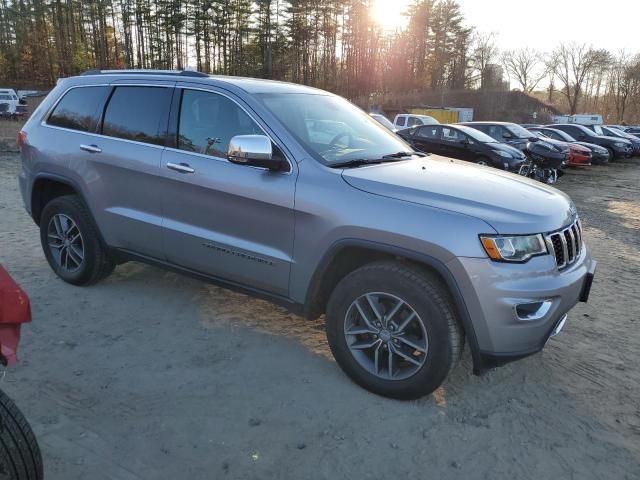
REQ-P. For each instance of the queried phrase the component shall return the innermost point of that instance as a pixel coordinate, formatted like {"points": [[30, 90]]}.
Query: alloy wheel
{"points": [[386, 336], [65, 242]]}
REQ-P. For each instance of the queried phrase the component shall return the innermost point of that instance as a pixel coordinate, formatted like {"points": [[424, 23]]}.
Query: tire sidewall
{"points": [[439, 354], [66, 206]]}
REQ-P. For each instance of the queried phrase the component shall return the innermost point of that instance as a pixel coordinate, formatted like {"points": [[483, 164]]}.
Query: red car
{"points": [[20, 456], [579, 155]]}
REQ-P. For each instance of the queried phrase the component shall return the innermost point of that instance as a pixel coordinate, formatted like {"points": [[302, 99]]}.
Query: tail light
{"points": [[22, 138]]}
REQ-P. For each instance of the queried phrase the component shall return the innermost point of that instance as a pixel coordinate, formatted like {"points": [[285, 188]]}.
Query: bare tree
{"points": [[624, 82], [484, 53], [572, 64], [526, 66]]}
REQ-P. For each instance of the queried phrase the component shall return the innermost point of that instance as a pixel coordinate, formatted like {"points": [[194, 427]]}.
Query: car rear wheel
{"points": [[392, 328], [71, 243]]}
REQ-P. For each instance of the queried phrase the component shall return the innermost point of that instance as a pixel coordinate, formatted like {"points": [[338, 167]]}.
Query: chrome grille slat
{"points": [[566, 244]]}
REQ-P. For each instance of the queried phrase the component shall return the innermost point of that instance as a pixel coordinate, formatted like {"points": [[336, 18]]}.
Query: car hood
{"points": [[511, 204], [594, 147], [615, 139]]}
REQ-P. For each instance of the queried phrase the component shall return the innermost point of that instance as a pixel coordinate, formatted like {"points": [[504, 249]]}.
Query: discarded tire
{"points": [[20, 457]]}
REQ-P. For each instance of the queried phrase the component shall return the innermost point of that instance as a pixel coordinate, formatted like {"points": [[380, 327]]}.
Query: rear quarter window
{"points": [[138, 113], [79, 108]]}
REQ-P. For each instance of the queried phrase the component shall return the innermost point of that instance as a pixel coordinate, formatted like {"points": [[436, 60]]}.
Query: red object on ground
{"points": [[15, 309], [579, 155]]}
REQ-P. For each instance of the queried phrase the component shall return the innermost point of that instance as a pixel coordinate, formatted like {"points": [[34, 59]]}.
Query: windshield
{"points": [[518, 131], [563, 135], [331, 129], [585, 130], [384, 121], [598, 130], [612, 132], [476, 134]]}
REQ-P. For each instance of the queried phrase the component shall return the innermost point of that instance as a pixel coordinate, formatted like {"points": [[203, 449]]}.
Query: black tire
{"points": [[427, 297], [96, 264], [484, 161], [20, 457], [612, 154]]}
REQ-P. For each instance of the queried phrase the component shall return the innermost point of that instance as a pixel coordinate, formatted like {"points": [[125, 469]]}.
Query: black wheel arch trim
{"points": [[428, 260]]}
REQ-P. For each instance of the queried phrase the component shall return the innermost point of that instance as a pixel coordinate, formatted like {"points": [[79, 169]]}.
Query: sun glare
{"points": [[389, 13]]}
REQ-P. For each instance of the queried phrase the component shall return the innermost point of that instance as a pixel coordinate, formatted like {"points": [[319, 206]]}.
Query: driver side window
{"points": [[209, 121], [429, 131]]}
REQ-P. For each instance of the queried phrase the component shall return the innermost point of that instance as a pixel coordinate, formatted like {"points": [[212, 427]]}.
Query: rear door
{"points": [[223, 219], [123, 166]]}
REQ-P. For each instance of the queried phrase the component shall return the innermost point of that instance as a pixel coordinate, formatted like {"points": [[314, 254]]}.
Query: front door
{"points": [[231, 221], [427, 139]]}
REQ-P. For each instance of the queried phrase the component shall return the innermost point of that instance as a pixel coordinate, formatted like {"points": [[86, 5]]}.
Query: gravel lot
{"points": [[151, 375]]}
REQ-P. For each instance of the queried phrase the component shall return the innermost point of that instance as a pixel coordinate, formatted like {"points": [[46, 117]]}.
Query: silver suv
{"points": [[294, 194]]}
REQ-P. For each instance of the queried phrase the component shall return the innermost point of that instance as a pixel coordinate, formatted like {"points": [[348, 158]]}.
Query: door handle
{"points": [[180, 167], [91, 148]]}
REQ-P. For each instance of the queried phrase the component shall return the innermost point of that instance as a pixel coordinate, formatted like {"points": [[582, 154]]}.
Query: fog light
{"points": [[533, 310]]}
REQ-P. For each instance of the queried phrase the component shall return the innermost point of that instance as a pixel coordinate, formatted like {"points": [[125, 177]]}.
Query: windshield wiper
{"points": [[404, 154], [358, 162], [393, 157]]}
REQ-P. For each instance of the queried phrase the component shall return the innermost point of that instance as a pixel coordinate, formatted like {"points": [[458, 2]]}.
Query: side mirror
{"points": [[534, 139], [507, 136], [464, 141], [253, 150]]}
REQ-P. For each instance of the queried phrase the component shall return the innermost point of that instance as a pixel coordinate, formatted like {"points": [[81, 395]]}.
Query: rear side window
{"points": [[413, 121], [79, 109], [138, 113]]}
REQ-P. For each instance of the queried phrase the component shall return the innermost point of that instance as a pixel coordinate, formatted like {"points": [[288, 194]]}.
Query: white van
{"points": [[9, 96], [408, 120]]}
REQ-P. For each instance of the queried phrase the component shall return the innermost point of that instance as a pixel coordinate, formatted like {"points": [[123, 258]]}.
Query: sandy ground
{"points": [[151, 375]]}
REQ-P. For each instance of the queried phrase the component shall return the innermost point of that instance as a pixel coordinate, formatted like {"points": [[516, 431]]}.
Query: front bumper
{"points": [[626, 151], [496, 295]]}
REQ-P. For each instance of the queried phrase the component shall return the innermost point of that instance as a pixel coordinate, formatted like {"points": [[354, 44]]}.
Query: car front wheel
{"points": [[392, 328]]}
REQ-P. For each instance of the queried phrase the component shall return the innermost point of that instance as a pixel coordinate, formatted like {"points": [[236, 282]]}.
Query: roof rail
{"points": [[182, 73]]}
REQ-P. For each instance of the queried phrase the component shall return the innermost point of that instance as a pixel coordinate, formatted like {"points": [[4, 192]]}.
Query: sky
{"points": [[542, 24]]}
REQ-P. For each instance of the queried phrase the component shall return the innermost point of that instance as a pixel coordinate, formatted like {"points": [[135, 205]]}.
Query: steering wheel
{"points": [[348, 135]]}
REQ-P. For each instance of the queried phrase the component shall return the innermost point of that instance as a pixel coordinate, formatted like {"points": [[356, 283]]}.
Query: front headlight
{"points": [[504, 154], [620, 144], [517, 248]]}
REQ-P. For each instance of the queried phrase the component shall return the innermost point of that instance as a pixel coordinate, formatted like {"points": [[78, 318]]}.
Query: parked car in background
{"points": [[219, 178], [384, 121], [408, 120], [8, 96], [617, 147], [614, 132], [577, 154], [464, 143], [633, 131], [599, 154], [504, 132]]}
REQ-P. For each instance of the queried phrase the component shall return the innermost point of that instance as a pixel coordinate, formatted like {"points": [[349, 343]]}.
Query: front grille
{"points": [[566, 244]]}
